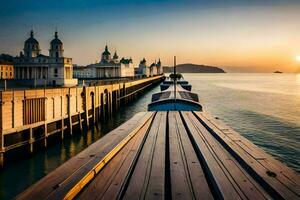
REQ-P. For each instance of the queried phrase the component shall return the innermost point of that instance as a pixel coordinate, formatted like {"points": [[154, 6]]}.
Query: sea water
{"points": [[265, 108]]}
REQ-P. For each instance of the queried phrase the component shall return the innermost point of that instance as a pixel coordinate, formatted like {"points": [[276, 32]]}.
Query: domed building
{"points": [[34, 68], [31, 46], [152, 70], [56, 47], [107, 67], [106, 57]]}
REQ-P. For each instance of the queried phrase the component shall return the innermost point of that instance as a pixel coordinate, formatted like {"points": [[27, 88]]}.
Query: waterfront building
{"points": [[82, 72], [55, 69], [107, 67], [153, 70], [6, 70]]}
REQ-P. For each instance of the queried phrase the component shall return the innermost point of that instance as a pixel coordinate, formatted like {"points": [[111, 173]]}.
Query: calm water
{"points": [[265, 108]]}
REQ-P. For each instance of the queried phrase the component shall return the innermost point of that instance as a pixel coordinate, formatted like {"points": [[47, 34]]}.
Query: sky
{"points": [[238, 35]]}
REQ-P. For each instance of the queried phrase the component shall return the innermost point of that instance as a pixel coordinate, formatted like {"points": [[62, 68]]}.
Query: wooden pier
{"points": [[170, 155], [29, 117]]}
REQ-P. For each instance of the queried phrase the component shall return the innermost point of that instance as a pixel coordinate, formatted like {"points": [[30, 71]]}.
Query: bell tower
{"points": [[56, 47], [31, 46]]}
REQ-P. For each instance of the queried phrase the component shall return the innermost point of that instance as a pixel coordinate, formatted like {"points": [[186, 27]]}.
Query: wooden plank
{"points": [[223, 186], [229, 132], [264, 159], [245, 185], [81, 178], [107, 184], [60, 175], [148, 177], [285, 184], [187, 177]]}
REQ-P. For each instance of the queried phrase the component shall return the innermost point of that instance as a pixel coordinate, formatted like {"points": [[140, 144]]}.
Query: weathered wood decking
{"points": [[170, 155]]}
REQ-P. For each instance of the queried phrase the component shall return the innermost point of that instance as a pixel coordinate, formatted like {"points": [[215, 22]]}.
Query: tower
{"points": [[31, 46], [159, 67], [106, 57], [56, 47], [116, 57]]}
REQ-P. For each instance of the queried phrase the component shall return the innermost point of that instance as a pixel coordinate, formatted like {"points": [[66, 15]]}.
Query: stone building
{"points": [[55, 69], [153, 70], [6, 66], [108, 67], [6, 70]]}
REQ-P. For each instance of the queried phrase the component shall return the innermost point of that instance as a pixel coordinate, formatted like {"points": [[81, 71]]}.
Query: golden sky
{"points": [[245, 37]]}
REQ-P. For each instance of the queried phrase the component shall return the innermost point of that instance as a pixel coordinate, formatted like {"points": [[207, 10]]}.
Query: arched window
{"points": [[56, 54]]}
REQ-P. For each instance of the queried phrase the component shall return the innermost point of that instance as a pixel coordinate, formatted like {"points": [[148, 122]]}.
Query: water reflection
{"points": [[265, 108]]}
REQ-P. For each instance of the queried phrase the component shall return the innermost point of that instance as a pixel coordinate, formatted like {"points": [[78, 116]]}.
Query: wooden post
{"points": [[101, 106], [1, 160], [62, 128], [13, 112], [46, 134], [94, 107], [69, 113], [2, 151], [104, 104], [115, 101], [110, 104], [86, 110], [118, 99], [31, 140], [45, 125], [80, 121], [125, 96]]}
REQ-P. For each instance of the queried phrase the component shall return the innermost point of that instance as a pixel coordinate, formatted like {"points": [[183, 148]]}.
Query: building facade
{"points": [[6, 70], [108, 67], [153, 70], [55, 69]]}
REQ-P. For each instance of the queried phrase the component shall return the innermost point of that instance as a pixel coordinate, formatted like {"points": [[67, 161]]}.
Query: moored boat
{"points": [[175, 95]]}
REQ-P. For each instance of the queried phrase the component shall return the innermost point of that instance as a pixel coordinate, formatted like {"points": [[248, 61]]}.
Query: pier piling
{"points": [[31, 140], [62, 129], [80, 121], [45, 134]]}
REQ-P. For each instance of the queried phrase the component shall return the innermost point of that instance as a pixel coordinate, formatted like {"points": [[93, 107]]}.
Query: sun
{"points": [[298, 58]]}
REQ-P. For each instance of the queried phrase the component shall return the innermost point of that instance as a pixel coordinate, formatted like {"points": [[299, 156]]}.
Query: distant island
{"points": [[277, 72], [193, 68]]}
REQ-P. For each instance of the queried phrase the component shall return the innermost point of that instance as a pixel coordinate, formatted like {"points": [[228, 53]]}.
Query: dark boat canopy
{"points": [[184, 84], [177, 98], [175, 95]]}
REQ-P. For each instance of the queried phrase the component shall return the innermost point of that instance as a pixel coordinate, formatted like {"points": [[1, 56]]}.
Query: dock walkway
{"points": [[170, 155]]}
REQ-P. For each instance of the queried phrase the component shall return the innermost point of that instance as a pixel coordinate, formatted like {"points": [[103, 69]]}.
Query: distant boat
{"points": [[277, 72]]}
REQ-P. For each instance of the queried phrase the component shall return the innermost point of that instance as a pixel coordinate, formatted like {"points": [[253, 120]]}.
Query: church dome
{"points": [[56, 41], [31, 40]]}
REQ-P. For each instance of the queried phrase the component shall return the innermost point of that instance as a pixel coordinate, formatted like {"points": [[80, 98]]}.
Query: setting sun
{"points": [[298, 58]]}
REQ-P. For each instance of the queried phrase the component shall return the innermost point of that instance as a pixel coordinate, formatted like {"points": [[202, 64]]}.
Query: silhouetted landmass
{"points": [[277, 72], [193, 68]]}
